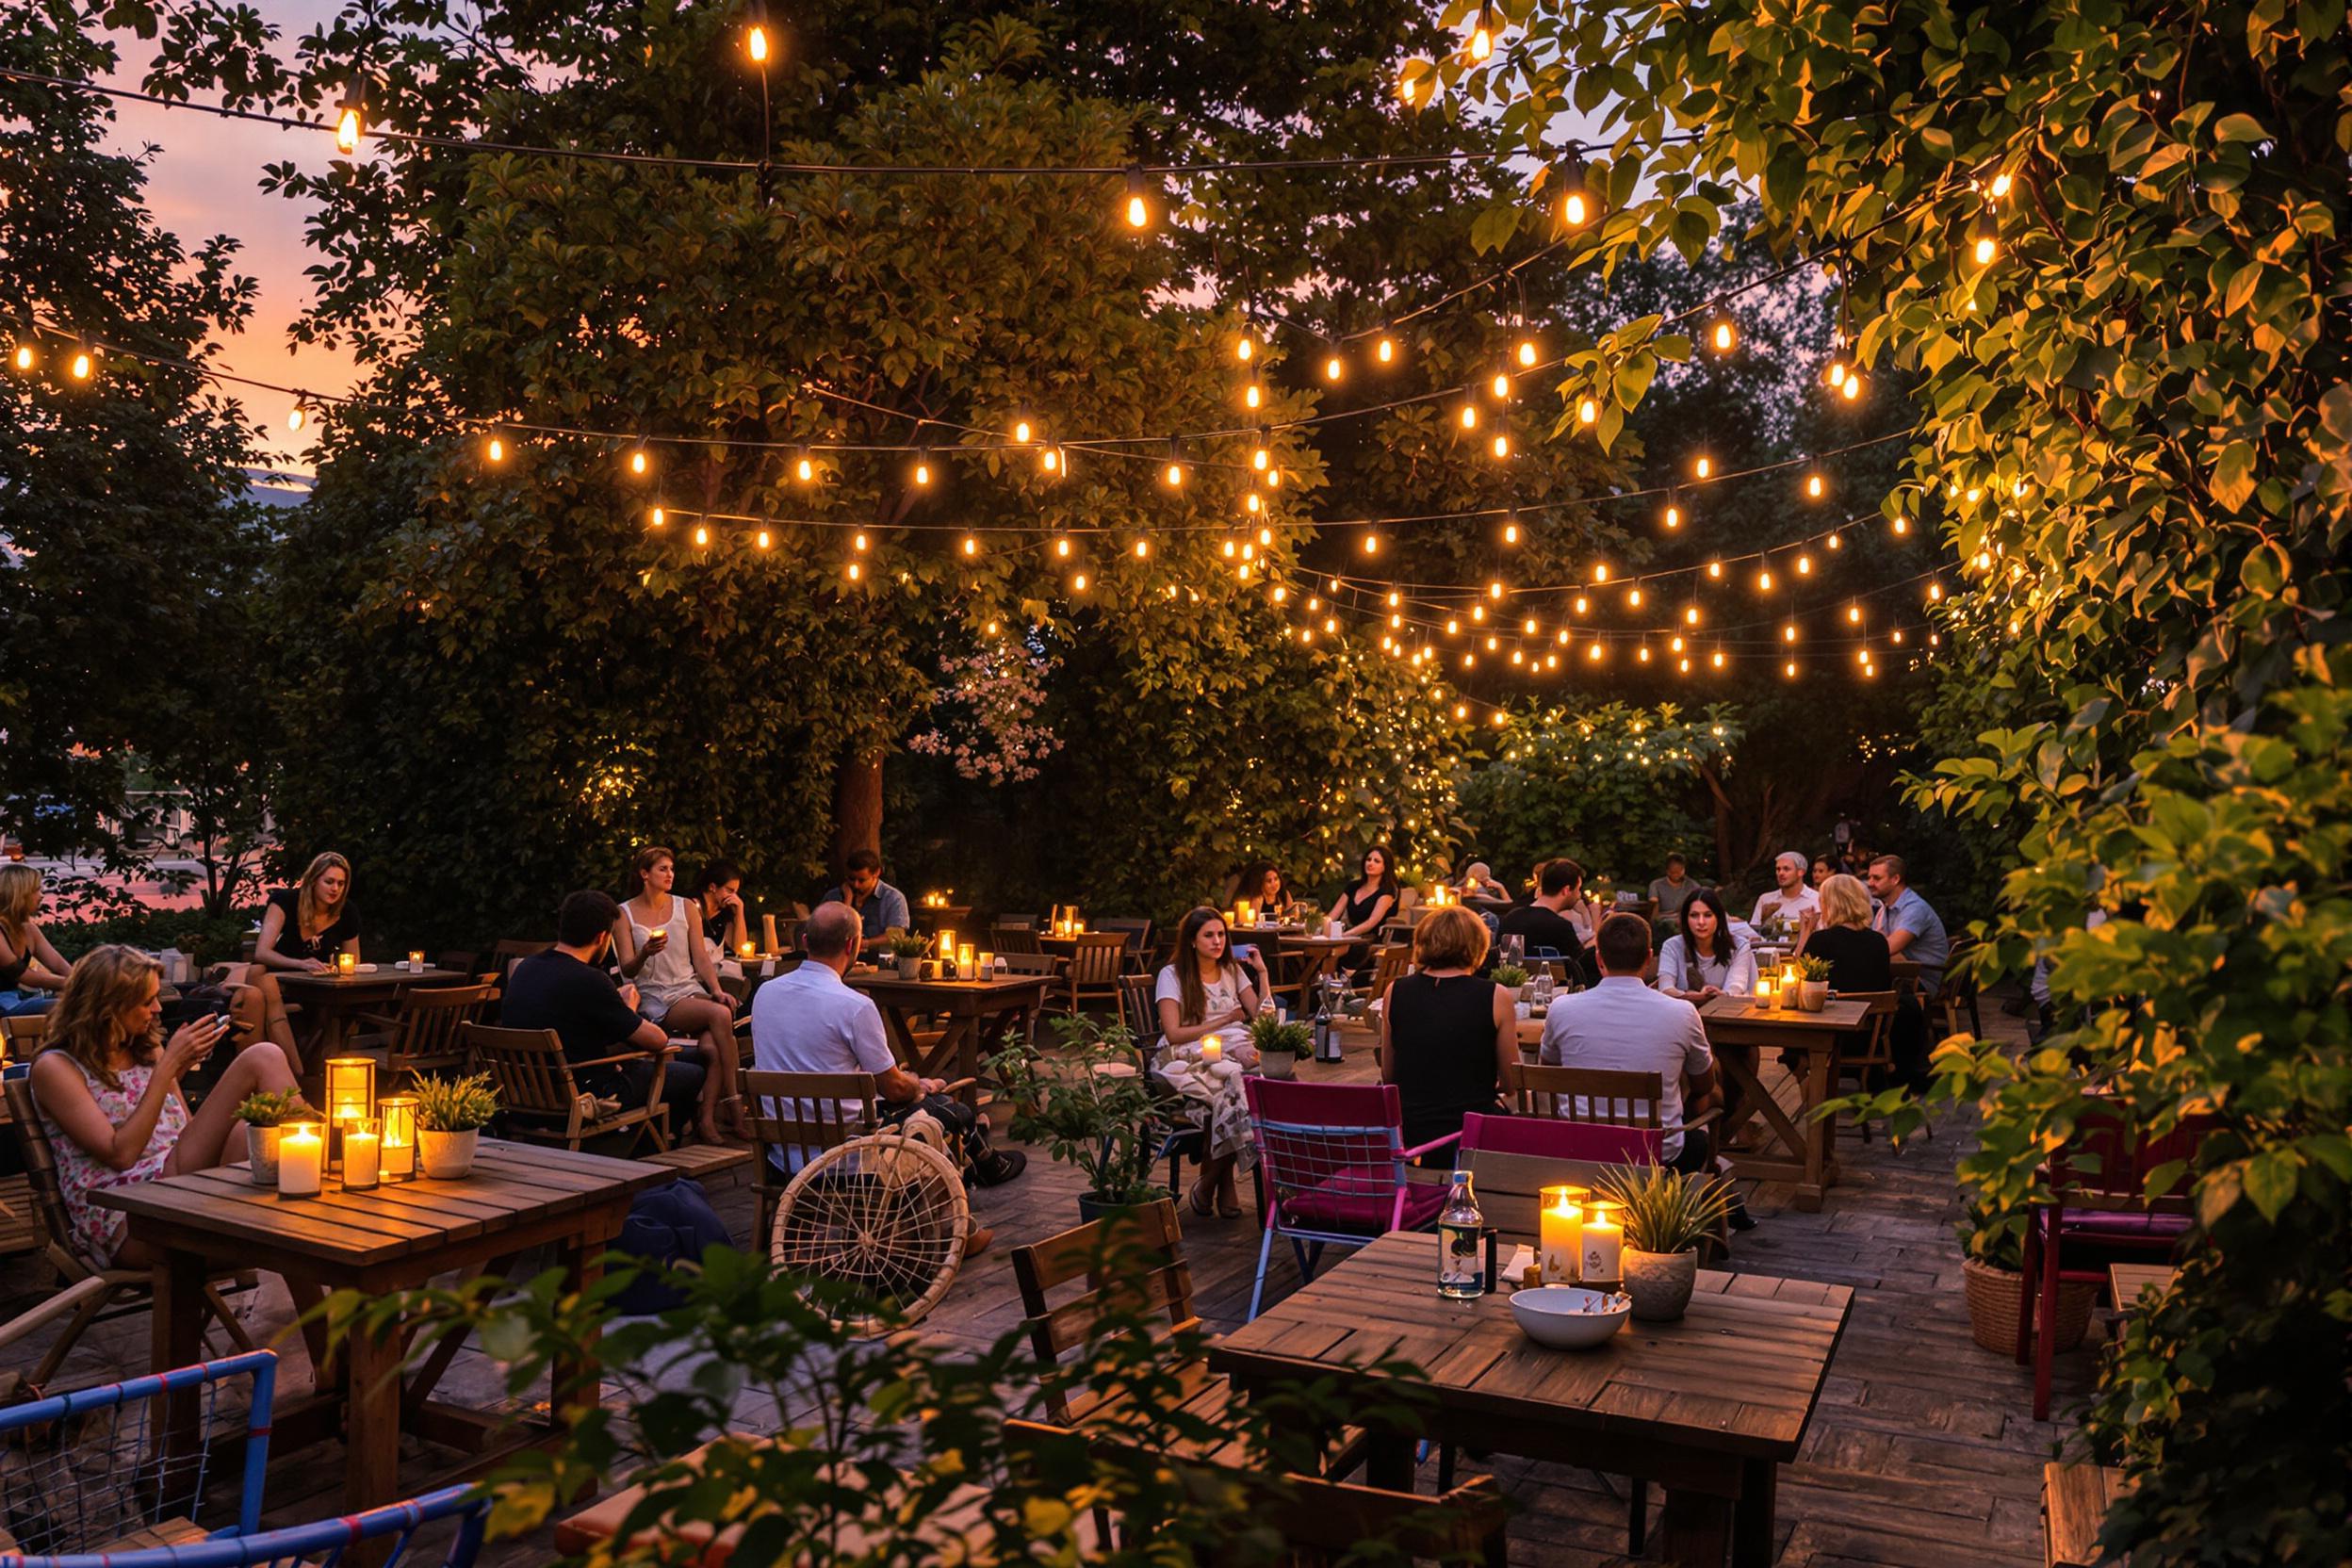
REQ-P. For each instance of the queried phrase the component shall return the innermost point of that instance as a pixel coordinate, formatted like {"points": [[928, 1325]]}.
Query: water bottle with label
{"points": [[1461, 1244]]}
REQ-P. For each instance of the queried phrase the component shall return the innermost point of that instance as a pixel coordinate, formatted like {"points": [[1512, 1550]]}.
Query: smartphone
{"points": [[1246, 953]]}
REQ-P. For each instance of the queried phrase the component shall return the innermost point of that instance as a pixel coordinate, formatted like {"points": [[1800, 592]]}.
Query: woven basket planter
{"points": [[1993, 1295]]}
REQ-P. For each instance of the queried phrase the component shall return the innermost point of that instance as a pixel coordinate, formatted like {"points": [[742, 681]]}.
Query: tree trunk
{"points": [[856, 803]]}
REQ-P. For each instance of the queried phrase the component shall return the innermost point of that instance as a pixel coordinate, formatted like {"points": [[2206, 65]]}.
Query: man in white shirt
{"points": [[1621, 1026], [809, 1021], [1790, 900]]}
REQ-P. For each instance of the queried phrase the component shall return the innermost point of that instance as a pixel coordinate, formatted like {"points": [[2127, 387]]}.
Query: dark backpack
{"points": [[668, 1225]]}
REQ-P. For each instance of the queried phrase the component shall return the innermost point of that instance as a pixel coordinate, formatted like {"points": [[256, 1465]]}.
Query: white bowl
{"points": [[1569, 1317]]}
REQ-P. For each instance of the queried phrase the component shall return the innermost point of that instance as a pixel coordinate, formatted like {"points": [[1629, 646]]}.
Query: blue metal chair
{"points": [[319, 1544]]}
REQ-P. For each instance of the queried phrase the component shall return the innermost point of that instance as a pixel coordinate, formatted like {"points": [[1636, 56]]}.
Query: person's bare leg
{"points": [[1216, 1180], [258, 1067], [275, 1024], [715, 1025]]}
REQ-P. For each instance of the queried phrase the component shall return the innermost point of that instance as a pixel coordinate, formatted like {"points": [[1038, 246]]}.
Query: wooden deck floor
{"points": [[1922, 1453]]}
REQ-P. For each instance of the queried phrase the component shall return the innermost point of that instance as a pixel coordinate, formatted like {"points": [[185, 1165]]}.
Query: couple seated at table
{"points": [[811, 1022]]}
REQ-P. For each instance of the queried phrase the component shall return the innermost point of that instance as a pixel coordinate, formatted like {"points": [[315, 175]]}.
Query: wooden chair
{"points": [[1151, 1276], [1140, 1011], [1096, 959], [1959, 994], [25, 1034], [810, 1111], [1870, 1050], [1597, 1098], [541, 1100], [1014, 939], [423, 1034], [1138, 941], [1388, 965], [457, 960], [95, 1292], [1031, 963], [2075, 1500], [1016, 922]]}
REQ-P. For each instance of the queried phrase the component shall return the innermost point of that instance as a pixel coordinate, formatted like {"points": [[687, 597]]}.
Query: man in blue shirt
{"points": [[1911, 928], [880, 907]]}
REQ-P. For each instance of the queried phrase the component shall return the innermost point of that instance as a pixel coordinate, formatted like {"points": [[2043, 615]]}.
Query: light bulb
{"points": [[1788, 632], [1266, 541], [2001, 186], [1259, 458], [1764, 581], [1173, 476], [858, 542], [1575, 203], [922, 471], [1371, 543], [1061, 547], [349, 126], [1593, 651], [1245, 347], [659, 518], [1385, 350], [1252, 504], [23, 356], [82, 364], [497, 450], [854, 571], [1633, 598], [1935, 592], [1717, 660], [1499, 387], [1673, 515], [1273, 479], [972, 545], [1723, 337], [1836, 542], [1526, 628], [1511, 533], [1853, 388], [1252, 394], [1815, 488], [1049, 460], [1143, 548], [1588, 412], [1138, 202], [1078, 583], [1600, 572], [1854, 615], [1837, 373], [1715, 569], [1790, 669], [1502, 444], [702, 535], [1469, 415], [1985, 239], [1704, 467], [1021, 430], [1583, 604], [1526, 353], [756, 42], [1691, 617], [638, 462], [1482, 34], [1804, 565], [1230, 550], [1903, 525], [1335, 367], [763, 539], [296, 416], [804, 468], [1494, 589]]}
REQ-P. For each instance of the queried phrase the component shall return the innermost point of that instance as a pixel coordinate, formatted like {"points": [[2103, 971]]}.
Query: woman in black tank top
{"points": [[1446, 1035]]}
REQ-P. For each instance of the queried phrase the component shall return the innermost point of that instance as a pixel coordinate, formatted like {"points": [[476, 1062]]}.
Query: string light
{"points": [[1385, 350], [1511, 530], [1704, 465], [1673, 516], [1334, 367], [1526, 353], [1078, 583], [1021, 430], [1805, 565], [1502, 444], [702, 536], [1252, 394], [1815, 486], [1576, 202], [1588, 412], [1054, 462], [23, 356], [859, 543], [1143, 548], [756, 43], [1722, 336], [1500, 386], [1469, 415], [922, 471], [1138, 199], [296, 416], [638, 460], [804, 467], [657, 519], [82, 364], [763, 539], [1985, 238], [972, 545], [2001, 186], [351, 122], [1061, 547], [496, 450], [1173, 474], [1764, 581], [1482, 32], [854, 571]]}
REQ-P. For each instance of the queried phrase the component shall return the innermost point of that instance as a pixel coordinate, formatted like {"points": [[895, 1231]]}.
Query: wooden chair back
{"points": [[1389, 964], [1140, 1011], [1870, 1048], [1510, 1187], [1138, 934], [1131, 1263], [514, 949], [1589, 1095], [25, 1034], [1016, 922], [1096, 959], [1031, 963], [41, 1172], [428, 1022], [540, 1100], [1014, 939], [457, 960], [810, 1111]]}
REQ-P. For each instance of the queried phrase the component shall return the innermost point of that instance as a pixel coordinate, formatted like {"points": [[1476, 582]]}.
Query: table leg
{"points": [[1694, 1529], [177, 1339], [372, 1437], [1819, 1130], [1388, 1462], [1751, 1518]]}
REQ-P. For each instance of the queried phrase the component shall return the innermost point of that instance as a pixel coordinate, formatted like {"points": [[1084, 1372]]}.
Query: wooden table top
{"points": [[1289, 940], [1009, 985], [2127, 1279], [1739, 1374], [381, 975], [512, 1185], [1836, 1015]]}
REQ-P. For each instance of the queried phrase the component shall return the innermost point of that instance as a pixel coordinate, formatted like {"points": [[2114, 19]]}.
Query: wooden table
{"points": [[2131, 1281], [1710, 1407], [1801, 1149], [1319, 959], [970, 1007], [397, 1237], [332, 1000]]}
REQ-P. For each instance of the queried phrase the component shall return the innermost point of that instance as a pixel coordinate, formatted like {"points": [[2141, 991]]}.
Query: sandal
{"points": [[1192, 1202]]}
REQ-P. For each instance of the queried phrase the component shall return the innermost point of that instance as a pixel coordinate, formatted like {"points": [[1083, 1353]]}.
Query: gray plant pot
{"points": [[446, 1156], [1278, 1064], [1660, 1282], [261, 1149]]}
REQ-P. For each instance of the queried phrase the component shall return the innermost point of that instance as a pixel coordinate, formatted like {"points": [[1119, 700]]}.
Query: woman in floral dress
{"points": [[1205, 992]]}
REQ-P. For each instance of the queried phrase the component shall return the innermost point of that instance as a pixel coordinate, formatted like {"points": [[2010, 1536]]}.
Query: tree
{"points": [[2109, 241], [131, 556]]}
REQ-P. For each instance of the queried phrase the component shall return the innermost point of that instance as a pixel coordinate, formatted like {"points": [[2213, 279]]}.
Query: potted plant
{"points": [[908, 949], [1513, 976], [1087, 1099], [1666, 1215], [1281, 1045], [262, 1113], [450, 1114], [1992, 1277], [1812, 993]]}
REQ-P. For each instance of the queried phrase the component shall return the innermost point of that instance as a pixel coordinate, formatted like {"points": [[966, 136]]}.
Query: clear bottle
{"points": [[1461, 1244], [1324, 1032]]}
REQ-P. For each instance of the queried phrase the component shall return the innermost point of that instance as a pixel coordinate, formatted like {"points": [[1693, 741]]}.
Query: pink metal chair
{"points": [[2099, 1206], [1549, 1138], [1332, 1166]]}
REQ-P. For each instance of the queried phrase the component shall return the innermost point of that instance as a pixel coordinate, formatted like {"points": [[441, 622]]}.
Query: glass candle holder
{"points": [[351, 1095], [397, 1153], [1561, 1234], [302, 1156], [416, 962], [363, 1154], [347, 963]]}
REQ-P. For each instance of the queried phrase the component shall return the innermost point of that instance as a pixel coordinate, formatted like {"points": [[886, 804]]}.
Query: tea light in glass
{"points": [[416, 963], [363, 1149], [351, 1095], [987, 965], [964, 959], [745, 951], [398, 1151], [346, 962], [301, 1154], [1561, 1234], [1212, 1049], [1602, 1245], [947, 950]]}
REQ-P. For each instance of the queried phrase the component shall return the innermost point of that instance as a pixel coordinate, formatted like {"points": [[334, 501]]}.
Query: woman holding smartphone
{"points": [[108, 1084], [1207, 990]]}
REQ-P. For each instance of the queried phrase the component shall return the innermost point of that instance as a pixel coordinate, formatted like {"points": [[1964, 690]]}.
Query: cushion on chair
{"points": [[1342, 1203], [2122, 1225]]}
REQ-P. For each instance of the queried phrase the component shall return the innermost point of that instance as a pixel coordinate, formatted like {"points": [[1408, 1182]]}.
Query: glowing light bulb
{"points": [[756, 43], [1253, 503], [1021, 430], [1494, 589], [82, 364], [1788, 632], [1588, 412], [852, 571], [1078, 583], [1853, 390], [1273, 479], [1804, 565], [805, 468], [659, 518], [1764, 581], [1691, 617], [1576, 202], [1173, 476], [1600, 572], [1245, 347], [1935, 592], [858, 542], [1854, 615], [1482, 34], [1704, 467], [764, 539], [972, 545], [1527, 627], [1138, 200], [1526, 353], [1502, 444], [1583, 605], [1633, 598], [1500, 386], [2001, 186], [922, 471], [1593, 652], [1511, 533], [638, 460], [1790, 669], [23, 356], [1723, 337], [349, 127], [1985, 239], [1836, 542], [296, 416], [1385, 350], [1334, 367], [1469, 415], [702, 535], [1049, 460], [1673, 515], [1815, 486], [496, 450], [1252, 394], [1143, 548], [1715, 568], [1061, 547], [1903, 525]]}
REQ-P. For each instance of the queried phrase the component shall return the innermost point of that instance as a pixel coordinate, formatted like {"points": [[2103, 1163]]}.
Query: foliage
{"points": [[129, 617], [1595, 784], [1811, 966], [273, 1108], [1992, 1235], [1099, 1121], [1276, 1037], [907, 945], [882, 1440], [205, 939], [454, 1104], [1663, 1210], [1510, 976], [2138, 434]]}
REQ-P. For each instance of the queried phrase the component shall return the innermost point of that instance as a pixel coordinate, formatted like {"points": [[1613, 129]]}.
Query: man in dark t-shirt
{"points": [[1541, 925], [566, 990]]}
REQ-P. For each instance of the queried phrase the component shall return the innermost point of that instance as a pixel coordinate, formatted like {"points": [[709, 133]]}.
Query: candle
{"points": [[361, 1151], [1763, 990], [1561, 1234], [1212, 1049], [347, 963], [398, 1151], [964, 961], [947, 949], [659, 931], [745, 951], [300, 1154], [1604, 1241], [987, 966], [416, 962]]}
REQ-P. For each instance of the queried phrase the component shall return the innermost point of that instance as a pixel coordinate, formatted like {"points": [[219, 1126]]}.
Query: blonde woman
{"points": [[302, 928], [657, 940], [108, 1084], [1858, 956], [30, 969]]}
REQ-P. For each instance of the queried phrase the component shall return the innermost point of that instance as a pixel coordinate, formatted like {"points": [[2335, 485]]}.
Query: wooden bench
{"points": [[700, 1159], [2075, 1499]]}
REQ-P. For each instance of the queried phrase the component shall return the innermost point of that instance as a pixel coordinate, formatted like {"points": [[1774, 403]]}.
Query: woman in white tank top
{"points": [[659, 942]]}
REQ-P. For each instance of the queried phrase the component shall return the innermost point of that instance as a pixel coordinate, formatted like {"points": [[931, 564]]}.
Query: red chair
{"points": [[1331, 1166], [1547, 1138], [2099, 1203]]}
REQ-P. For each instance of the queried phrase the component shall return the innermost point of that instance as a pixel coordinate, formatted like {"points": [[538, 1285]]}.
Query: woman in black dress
{"points": [[302, 930], [1858, 956], [1447, 1038], [717, 899], [1362, 909]]}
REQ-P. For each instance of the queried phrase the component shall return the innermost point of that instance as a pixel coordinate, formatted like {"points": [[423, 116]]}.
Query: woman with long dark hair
{"points": [[1204, 992], [1707, 958], [1362, 909]]}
